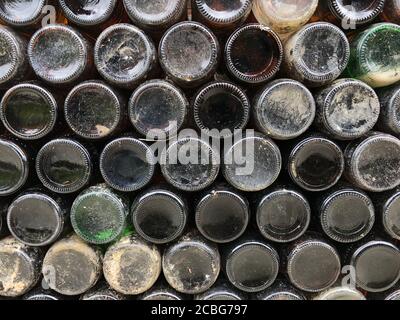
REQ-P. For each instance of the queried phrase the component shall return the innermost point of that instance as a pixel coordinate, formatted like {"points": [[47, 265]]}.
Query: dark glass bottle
{"points": [[161, 293], [19, 267], [282, 214], [222, 214], [189, 53], [312, 265], [393, 296], [159, 215], [71, 266], [247, 254], [391, 11], [192, 264], [155, 15], [93, 110], [373, 162], [102, 291], [70, 63], [376, 264], [14, 64], [387, 206], [3, 218], [252, 163], [346, 214], [41, 294], [341, 293], [221, 291], [315, 163], [29, 111], [99, 215], [253, 54], [158, 108], [132, 266], [284, 109], [220, 108], [347, 109], [14, 167], [280, 290], [22, 13], [190, 164], [389, 118], [37, 218], [317, 54], [124, 55], [64, 165], [221, 14], [127, 164], [374, 55]]}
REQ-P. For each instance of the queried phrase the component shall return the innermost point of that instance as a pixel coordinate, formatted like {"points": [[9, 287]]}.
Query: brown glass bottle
{"points": [[253, 54], [391, 11]]}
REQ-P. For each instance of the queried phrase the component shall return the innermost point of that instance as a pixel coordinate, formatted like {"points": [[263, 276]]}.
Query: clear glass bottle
{"points": [[127, 164], [222, 214], [22, 13], [19, 267], [124, 55], [253, 54], [252, 163], [284, 17], [284, 109], [389, 118], [159, 215], [391, 11], [220, 108], [71, 266], [280, 290], [132, 266], [375, 55], [37, 218], [347, 109], [249, 253], [190, 164], [64, 165], [14, 167], [315, 163], [192, 264], [29, 111], [14, 65], [162, 292], [341, 293], [93, 110], [70, 63], [158, 107], [373, 162], [189, 54], [282, 214], [316, 54], [99, 215], [102, 292]]}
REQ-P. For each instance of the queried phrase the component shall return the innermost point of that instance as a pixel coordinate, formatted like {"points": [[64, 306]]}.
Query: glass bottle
{"points": [[316, 54], [341, 293], [189, 54], [158, 107], [221, 291], [124, 55], [71, 266], [132, 266], [389, 118], [93, 110], [221, 15], [249, 253], [64, 165], [99, 215], [190, 164], [220, 108], [127, 164], [373, 162], [29, 111], [159, 215], [161, 292], [192, 264], [284, 109], [280, 290], [37, 218], [387, 206], [70, 63], [102, 291], [253, 54], [315, 163], [22, 13], [284, 17], [14, 65], [391, 11], [282, 214], [19, 267], [41, 294], [375, 55], [252, 163], [222, 214]]}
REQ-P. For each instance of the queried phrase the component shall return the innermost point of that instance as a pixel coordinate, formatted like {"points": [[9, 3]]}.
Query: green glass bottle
{"points": [[375, 55]]}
